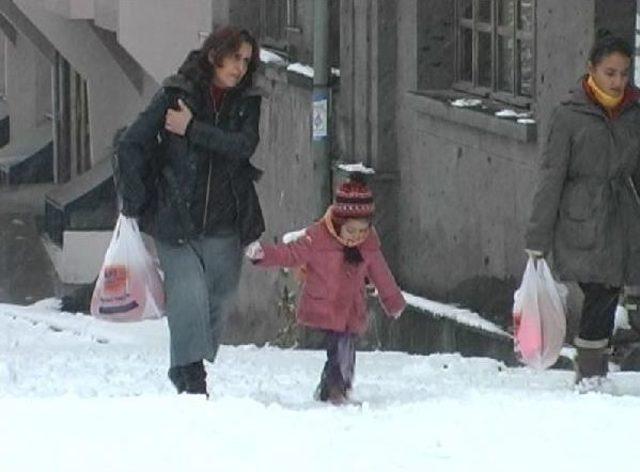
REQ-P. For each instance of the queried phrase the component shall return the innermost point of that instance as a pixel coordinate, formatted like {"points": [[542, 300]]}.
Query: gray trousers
{"points": [[201, 281]]}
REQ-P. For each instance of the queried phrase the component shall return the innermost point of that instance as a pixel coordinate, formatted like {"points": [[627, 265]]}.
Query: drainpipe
{"points": [[321, 103]]}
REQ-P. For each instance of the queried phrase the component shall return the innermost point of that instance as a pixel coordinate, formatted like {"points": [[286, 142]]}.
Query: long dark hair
{"points": [[224, 41]]}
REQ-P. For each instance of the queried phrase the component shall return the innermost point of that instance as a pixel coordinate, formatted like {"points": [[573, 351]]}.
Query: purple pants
{"points": [[339, 369]]}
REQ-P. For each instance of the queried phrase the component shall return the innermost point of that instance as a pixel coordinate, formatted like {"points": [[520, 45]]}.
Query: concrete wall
{"points": [[28, 85], [466, 189], [3, 61], [113, 99], [159, 33], [286, 193]]}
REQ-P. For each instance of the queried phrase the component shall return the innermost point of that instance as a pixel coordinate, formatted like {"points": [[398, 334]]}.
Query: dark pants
{"points": [[338, 372], [598, 311]]}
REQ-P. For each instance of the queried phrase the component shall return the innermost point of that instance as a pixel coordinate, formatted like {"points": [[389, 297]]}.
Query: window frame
{"points": [[496, 31]]}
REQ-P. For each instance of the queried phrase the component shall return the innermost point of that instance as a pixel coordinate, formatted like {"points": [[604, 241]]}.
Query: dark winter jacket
{"points": [[586, 210], [206, 185]]}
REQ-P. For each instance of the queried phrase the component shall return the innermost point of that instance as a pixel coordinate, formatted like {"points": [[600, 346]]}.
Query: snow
{"points": [[269, 57], [80, 394], [301, 69], [459, 315], [292, 236], [357, 167]]}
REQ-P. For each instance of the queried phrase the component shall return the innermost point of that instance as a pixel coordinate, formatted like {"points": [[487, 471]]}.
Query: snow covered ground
{"points": [[78, 394]]}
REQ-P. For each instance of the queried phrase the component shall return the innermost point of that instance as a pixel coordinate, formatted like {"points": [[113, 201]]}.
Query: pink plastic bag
{"points": [[539, 316], [129, 286]]}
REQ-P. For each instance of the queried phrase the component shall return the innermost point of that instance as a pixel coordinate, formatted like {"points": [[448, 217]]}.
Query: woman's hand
{"points": [[254, 251], [177, 121]]}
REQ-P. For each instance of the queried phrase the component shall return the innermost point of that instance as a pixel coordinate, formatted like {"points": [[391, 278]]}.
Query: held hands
{"points": [[177, 121], [254, 251], [396, 315]]}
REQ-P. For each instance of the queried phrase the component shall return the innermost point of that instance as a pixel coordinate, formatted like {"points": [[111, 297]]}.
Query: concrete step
{"points": [[26, 272], [28, 158]]}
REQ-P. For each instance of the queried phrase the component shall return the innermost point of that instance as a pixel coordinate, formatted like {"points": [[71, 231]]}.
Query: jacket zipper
{"points": [[206, 199]]}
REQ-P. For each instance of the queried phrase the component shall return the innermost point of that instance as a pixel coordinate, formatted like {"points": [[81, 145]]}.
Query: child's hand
{"points": [[396, 315], [254, 251]]}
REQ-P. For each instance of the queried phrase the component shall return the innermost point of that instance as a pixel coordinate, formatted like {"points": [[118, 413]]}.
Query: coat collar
{"points": [[581, 101]]}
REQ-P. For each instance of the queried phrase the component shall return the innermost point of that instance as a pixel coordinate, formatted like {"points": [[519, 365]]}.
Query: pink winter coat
{"points": [[333, 292]]}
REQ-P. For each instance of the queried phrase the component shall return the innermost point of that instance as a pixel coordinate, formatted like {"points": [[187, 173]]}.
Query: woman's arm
{"points": [[132, 156], [551, 180], [239, 144]]}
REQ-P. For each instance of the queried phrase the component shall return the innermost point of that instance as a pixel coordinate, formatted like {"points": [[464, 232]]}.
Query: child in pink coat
{"points": [[338, 253]]}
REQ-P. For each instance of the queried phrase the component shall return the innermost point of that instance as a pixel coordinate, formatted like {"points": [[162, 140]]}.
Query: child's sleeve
{"points": [[389, 293], [292, 254]]}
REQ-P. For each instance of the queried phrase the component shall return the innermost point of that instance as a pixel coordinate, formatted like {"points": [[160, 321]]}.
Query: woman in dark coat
{"points": [[194, 141], [586, 210]]}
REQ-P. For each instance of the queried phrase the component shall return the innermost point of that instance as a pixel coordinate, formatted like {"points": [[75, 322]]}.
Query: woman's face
{"points": [[233, 68], [354, 232], [611, 74]]}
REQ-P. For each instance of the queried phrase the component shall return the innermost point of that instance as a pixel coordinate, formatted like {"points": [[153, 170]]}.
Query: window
{"points": [[495, 53], [273, 17], [287, 27]]}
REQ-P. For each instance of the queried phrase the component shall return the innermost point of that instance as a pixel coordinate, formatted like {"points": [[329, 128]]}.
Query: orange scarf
{"points": [[328, 222], [608, 102]]}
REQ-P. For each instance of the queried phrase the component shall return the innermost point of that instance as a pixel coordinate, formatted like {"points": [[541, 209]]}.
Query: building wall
{"points": [[113, 99], [466, 189], [159, 33], [286, 193], [28, 86]]}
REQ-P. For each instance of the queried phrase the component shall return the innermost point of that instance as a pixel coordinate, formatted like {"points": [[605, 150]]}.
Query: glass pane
{"points": [[525, 21], [465, 8], [505, 12], [484, 13], [526, 68], [505, 63], [466, 47], [484, 59]]}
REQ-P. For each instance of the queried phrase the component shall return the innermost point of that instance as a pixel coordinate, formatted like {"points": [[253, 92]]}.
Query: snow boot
{"points": [[176, 375], [195, 377], [591, 364]]}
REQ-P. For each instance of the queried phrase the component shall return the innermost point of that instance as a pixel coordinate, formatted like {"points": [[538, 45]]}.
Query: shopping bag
{"points": [[129, 286], [539, 316]]}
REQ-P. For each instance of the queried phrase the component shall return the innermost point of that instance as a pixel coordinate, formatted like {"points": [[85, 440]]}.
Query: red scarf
{"points": [[217, 95]]}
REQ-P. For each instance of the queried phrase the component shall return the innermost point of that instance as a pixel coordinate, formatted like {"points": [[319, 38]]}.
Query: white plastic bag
{"points": [[129, 286], [539, 316]]}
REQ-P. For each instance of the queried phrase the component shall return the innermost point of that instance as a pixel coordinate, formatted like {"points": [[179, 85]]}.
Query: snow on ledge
{"points": [[459, 315], [357, 167], [271, 57], [292, 236]]}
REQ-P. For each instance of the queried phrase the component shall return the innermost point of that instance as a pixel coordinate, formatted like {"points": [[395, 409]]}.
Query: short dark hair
{"points": [[224, 41], [606, 45]]}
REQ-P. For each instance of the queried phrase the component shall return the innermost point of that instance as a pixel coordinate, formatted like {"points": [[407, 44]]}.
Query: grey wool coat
{"points": [[586, 209]]}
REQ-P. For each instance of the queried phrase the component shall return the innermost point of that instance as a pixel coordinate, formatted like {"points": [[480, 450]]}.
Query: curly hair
{"points": [[224, 41]]}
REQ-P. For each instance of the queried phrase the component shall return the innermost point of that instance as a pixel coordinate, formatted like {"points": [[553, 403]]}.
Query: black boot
{"points": [[176, 375], [591, 364], [195, 378]]}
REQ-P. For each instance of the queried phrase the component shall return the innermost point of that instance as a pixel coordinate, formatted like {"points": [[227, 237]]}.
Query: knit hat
{"points": [[353, 200]]}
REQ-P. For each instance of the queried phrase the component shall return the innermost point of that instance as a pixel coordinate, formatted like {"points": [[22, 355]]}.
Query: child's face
{"points": [[354, 232]]}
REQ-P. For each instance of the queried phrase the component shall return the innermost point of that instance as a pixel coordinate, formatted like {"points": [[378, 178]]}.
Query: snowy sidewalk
{"points": [[78, 394]]}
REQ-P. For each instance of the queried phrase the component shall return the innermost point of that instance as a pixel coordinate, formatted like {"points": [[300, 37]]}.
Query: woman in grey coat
{"points": [[586, 209]]}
